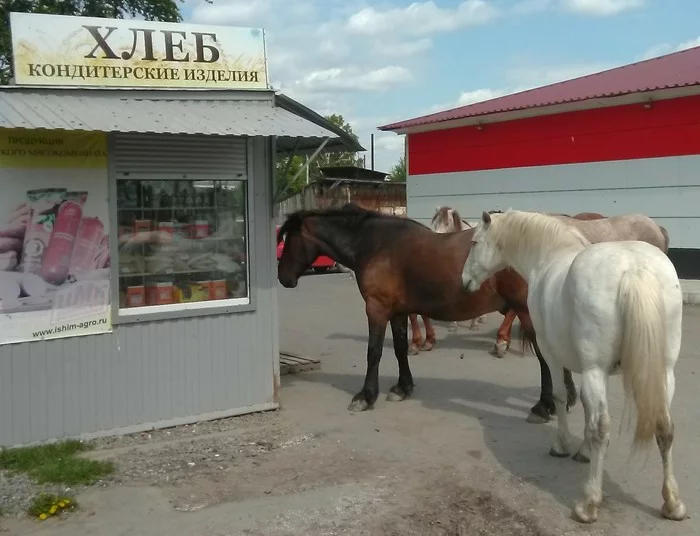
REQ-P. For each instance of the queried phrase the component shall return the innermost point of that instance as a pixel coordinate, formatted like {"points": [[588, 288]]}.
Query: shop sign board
{"points": [[60, 50]]}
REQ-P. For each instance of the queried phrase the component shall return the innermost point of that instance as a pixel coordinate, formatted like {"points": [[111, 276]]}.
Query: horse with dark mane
{"points": [[401, 267]]}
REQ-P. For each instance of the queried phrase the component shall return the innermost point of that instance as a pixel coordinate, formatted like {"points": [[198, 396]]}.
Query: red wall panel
{"points": [[668, 128]]}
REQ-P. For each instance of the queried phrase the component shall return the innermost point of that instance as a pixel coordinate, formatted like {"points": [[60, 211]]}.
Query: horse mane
{"points": [[351, 214], [516, 230]]}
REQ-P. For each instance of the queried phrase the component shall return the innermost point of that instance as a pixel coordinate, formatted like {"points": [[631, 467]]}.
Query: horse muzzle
{"points": [[289, 283]]}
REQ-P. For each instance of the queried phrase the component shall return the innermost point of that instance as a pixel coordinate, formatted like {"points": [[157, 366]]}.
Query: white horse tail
{"points": [[642, 353]]}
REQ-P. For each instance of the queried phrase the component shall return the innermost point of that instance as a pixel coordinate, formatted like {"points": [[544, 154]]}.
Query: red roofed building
{"points": [[619, 141]]}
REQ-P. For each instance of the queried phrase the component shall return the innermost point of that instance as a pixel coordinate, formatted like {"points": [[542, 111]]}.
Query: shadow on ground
{"points": [[519, 447]]}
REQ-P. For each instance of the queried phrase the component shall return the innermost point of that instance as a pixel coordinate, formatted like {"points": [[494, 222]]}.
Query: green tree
{"points": [[398, 172], [287, 185], [151, 10]]}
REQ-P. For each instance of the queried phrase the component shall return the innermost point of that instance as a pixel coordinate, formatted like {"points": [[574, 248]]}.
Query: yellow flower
{"points": [[67, 501], [53, 509], [43, 516], [62, 504]]}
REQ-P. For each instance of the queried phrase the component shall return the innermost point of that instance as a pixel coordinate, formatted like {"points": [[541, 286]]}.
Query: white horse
{"points": [[448, 220], [598, 309]]}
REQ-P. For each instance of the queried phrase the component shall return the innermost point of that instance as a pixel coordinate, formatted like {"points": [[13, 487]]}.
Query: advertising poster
{"points": [[54, 235]]}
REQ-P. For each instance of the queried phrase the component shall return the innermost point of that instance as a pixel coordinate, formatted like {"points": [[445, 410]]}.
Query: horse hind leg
{"points": [[503, 335], [416, 335], [561, 445], [673, 508], [594, 398], [430, 338]]}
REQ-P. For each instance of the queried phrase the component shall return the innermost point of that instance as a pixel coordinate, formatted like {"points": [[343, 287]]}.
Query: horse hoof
{"points": [[675, 511], [427, 346], [556, 454], [500, 348], [413, 350], [534, 418], [585, 512], [452, 327], [394, 397], [359, 404], [581, 458]]}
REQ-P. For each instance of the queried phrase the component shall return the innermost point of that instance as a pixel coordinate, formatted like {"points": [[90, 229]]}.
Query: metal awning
{"points": [[218, 113]]}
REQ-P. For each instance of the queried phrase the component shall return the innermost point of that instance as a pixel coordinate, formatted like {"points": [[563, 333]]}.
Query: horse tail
{"points": [[667, 240], [642, 352]]}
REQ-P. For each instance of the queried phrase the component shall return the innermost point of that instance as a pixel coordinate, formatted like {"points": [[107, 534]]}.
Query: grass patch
{"points": [[56, 463]]}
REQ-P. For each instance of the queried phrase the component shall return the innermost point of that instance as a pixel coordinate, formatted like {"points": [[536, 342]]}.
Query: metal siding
{"points": [[666, 189], [150, 373], [119, 111], [178, 155]]}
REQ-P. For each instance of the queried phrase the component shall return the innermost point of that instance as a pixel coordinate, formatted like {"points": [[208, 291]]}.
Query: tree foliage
{"points": [[398, 172], [286, 171], [151, 10]]}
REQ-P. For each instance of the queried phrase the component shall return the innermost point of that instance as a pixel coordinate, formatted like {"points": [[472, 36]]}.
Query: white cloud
{"points": [[344, 79], [421, 18], [478, 95], [602, 8], [665, 48]]}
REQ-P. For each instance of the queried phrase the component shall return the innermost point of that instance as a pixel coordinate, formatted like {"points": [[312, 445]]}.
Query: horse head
{"points": [[446, 220], [299, 250], [310, 233]]}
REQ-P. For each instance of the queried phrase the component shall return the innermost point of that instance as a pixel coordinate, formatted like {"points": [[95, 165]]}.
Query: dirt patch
{"points": [[232, 460]]}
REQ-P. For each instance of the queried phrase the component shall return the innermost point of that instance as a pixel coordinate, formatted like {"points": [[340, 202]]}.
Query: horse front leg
{"points": [[404, 387], [430, 339], [366, 398], [503, 335], [416, 335]]}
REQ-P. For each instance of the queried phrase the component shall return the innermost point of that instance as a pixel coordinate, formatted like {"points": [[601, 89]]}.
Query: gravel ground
{"points": [[206, 445]]}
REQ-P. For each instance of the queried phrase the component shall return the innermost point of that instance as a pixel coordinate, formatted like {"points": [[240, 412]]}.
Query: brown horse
{"points": [[401, 267]]}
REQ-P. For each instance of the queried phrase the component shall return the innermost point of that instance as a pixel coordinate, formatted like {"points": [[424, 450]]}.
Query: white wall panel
{"points": [[666, 189]]}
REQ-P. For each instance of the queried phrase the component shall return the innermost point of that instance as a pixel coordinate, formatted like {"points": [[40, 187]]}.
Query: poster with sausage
{"points": [[54, 235]]}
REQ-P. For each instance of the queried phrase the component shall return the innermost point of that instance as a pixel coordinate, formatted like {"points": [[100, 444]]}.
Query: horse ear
{"points": [[486, 218]]}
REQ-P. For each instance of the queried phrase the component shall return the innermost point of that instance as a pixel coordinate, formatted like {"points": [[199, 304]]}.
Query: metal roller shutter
{"points": [[180, 156]]}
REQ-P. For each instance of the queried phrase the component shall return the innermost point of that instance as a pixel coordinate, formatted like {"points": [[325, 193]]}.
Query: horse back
{"points": [[623, 227]]}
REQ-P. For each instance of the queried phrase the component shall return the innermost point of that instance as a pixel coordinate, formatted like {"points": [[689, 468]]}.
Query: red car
{"points": [[321, 264]]}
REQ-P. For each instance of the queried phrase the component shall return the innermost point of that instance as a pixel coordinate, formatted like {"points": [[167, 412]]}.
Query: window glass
{"points": [[181, 242]]}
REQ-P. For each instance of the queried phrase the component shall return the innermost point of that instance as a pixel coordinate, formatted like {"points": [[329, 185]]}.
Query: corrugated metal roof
{"points": [[676, 70], [112, 111]]}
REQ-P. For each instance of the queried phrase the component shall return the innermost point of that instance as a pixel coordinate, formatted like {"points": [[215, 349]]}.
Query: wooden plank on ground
{"points": [[294, 363]]}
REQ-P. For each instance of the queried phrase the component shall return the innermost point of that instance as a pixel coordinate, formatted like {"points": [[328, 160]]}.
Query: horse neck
{"points": [[337, 241], [528, 253]]}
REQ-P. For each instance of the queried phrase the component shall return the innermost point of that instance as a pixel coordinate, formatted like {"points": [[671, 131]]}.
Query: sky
{"points": [[375, 62]]}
